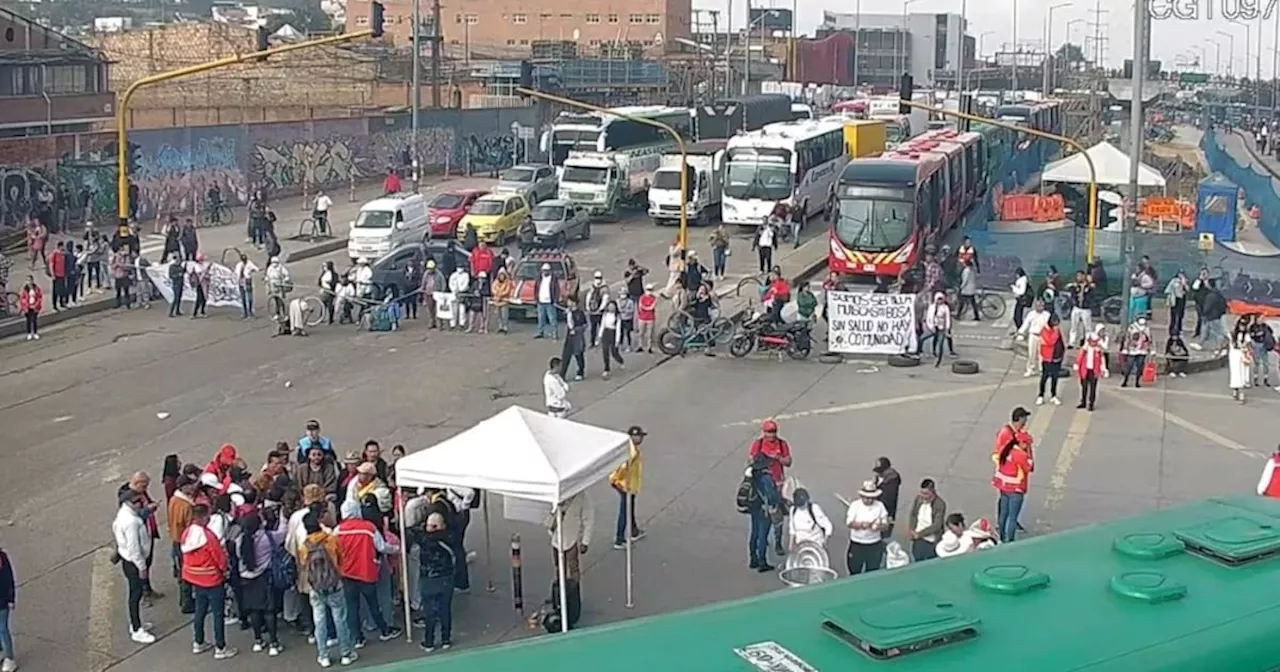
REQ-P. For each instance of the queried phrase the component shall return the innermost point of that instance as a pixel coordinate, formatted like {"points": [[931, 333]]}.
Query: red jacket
{"points": [[359, 552], [780, 290], [776, 448], [204, 560], [647, 308], [481, 260], [1099, 367], [221, 465], [32, 299], [1052, 349], [1013, 474], [391, 185], [58, 264], [1007, 434]]}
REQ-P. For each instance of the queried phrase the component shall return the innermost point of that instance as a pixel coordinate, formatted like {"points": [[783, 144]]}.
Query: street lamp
{"points": [[1048, 45], [902, 37], [1217, 57], [1013, 68], [1231, 49], [1202, 58], [746, 45]]}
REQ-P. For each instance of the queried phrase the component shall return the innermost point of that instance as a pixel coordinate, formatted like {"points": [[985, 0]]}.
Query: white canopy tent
{"points": [[526, 455], [1111, 163]]}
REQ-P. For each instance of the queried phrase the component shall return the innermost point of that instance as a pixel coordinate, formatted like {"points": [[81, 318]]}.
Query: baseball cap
{"points": [[1020, 413], [313, 424], [636, 430]]}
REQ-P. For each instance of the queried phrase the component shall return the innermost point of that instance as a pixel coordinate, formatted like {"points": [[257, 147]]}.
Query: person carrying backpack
{"points": [[758, 497], [319, 556]]}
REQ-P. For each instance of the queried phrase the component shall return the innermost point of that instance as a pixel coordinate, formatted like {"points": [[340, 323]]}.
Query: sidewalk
{"points": [[222, 242]]}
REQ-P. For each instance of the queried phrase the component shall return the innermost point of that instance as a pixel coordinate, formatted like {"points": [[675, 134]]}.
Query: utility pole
{"points": [[1013, 83], [1141, 49], [728, 50], [746, 52], [715, 33], [435, 52], [857, 39], [964, 12], [417, 89]]}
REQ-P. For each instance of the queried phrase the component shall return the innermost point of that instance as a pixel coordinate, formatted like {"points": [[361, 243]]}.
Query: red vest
{"points": [[206, 566], [1273, 486], [359, 553]]}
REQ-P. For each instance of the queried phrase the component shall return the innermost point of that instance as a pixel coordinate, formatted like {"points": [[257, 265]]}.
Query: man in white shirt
{"points": [[244, 279], [764, 245], [320, 212], [1034, 323], [579, 522], [547, 295], [133, 545], [555, 390], [925, 523], [459, 285], [363, 278]]}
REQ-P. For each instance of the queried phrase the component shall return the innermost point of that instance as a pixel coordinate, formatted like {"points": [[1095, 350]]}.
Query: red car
{"points": [[447, 209]]}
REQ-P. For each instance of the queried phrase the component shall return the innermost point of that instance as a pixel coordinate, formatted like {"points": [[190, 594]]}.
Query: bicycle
{"points": [[312, 309], [681, 322], [758, 284], [990, 305], [311, 230], [218, 214], [703, 337]]}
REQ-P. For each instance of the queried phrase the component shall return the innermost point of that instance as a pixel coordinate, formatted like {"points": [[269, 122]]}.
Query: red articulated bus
{"points": [[893, 206]]}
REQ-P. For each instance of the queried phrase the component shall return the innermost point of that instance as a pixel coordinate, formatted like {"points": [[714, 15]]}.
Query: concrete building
{"points": [[49, 83], [488, 24], [889, 44]]}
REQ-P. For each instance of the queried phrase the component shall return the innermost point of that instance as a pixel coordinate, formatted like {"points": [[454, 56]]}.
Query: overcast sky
{"points": [[1173, 40]]}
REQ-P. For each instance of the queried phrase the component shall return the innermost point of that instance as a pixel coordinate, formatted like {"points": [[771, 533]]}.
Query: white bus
{"points": [[796, 163], [605, 133]]}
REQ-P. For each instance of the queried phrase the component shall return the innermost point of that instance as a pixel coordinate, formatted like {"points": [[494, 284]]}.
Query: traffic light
{"points": [[905, 88], [526, 75], [375, 21], [262, 43]]}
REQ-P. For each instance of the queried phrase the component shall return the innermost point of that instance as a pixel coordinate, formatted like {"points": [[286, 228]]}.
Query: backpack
{"points": [[746, 495], [284, 568], [322, 576]]}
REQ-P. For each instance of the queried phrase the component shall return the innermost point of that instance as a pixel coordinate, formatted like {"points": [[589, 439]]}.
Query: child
{"points": [[1176, 352], [627, 311], [479, 304]]}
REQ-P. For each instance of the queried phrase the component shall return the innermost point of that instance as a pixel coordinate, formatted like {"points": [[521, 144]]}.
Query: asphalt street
{"points": [[80, 409]]}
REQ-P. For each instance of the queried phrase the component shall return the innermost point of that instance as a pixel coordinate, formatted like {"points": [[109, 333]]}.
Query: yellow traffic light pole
{"points": [[1093, 172], [684, 156], [122, 104]]}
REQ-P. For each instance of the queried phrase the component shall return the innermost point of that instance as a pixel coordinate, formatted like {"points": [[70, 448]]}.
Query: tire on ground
{"points": [[964, 367], [903, 361], [831, 358]]}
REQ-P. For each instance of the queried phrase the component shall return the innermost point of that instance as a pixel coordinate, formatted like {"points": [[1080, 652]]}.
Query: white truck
{"points": [[705, 184], [605, 182]]}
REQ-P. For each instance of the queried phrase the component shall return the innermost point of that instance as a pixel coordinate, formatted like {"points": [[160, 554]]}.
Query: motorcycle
{"points": [[760, 334]]}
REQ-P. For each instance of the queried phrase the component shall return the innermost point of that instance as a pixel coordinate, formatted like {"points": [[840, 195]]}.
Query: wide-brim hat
{"points": [[869, 489]]}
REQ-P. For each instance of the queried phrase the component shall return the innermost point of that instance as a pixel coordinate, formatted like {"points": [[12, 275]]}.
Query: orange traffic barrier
{"points": [[1030, 207], [1160, 207], [1237, 307]]}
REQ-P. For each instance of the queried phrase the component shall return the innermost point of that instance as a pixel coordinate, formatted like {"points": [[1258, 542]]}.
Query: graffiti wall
{"points": [[175, 168]]}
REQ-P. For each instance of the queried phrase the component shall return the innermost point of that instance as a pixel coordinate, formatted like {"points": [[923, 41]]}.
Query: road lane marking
{"points": [[876, 403], [1040, 419], [1266, 399], [1071, 446], [1186, 424], [102, 607]]}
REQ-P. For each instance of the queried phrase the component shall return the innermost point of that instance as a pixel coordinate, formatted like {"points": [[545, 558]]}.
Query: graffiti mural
{"points": [[300, 164], [435, 147], [18, 189], [492, 153], [93, 176], [173, 179]]}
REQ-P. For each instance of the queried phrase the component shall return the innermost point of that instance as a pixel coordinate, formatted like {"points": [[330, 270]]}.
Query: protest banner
{"points": [[224, 289], [863, 323]]}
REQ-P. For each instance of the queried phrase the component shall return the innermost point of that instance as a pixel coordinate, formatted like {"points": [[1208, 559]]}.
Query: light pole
{"points": [[746, 43], [1048, 46], [1231, 49], [1217, 55], [964, 13], [1135, 148], [1070, 23], [902, 37], [1248, 50], [417, 89], [1013, 69]]}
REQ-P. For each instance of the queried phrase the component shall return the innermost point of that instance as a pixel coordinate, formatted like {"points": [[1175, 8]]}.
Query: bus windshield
{"points": [[584, 175], [563, 142], [762, 181], [872, 225]]}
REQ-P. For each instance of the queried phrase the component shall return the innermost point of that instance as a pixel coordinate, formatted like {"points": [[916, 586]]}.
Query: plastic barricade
{"points": [[1018, 207]]}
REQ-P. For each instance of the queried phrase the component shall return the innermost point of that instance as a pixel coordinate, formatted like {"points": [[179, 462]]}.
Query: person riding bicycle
{"points": [[213, 200], [320, 212], [279, 284]]}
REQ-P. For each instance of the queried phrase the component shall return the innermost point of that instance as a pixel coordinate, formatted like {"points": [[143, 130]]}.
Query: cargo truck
{"points": [[605, 182], [705, 172], [865, 137], [730, 116]]}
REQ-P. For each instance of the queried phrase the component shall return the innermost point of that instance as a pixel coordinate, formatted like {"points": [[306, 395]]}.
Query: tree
{"points": [[1070, 53]]}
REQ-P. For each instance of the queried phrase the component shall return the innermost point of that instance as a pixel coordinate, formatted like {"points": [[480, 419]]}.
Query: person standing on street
{"points": [[925, 522], [138, 485], [8, 597], [575, 340], [181, 511], [759, 498], [1268, 484], [763, 243], [189, 240], [1136, 347], [319, 556], [646, 318], [58, 270], [555, 390], [205, 566], [776, 453], [1032, 327], [363, 548], [1175, 296], [626, 481], [579, 524], [244, 279], [198, 278], [968, 291], [1091, 365], [436, 562], [889, 483], [597, 298], [547, 294], [132, 549], [1081, 292], [320, 212], [610, 336], [867, 520], [177, 272], [719, 251], [1052, 351], [1013, 472], [30, 303]]}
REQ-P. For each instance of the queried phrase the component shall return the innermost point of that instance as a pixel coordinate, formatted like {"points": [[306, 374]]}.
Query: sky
{"points": [[1175, 42]]}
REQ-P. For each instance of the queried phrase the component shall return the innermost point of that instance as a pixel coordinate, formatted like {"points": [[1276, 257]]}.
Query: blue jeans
{"points": [[6, 637], [620, 537], [1261, 362], [1213, 333], [246, 300], [210, 602], [719, 260], [1008, 510], [354, 590], [331, 607], [547, 320], [437, 607], [758, 544]]}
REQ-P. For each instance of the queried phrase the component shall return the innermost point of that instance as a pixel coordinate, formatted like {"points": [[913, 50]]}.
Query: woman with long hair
{"points": [[1240, 358], [1013, 472], [809, 524], [254, 551]]}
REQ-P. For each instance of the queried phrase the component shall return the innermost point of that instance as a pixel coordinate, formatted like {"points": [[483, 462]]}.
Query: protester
{"points": [[436, 562], [926, 521], [313, 437], [1032, 327], [958, 539], [547, 295], [255, 551], [1263, 344], [808, 522], [8, 598], [626, 481], [889, 483], [579, 518], [138, 486], [133, 550], [555, 390], [1175, 296], [1021, 297], [609, 325], [1013, 471], [776, 455], [1176, 353], [502, 290], [362, 550], [646, 317], [1137, 345], [1091, 365], [30, 303], [180, 514], [937, 326], [319, 557], [205, 566], [1239, 359], [867, 520], [575, 340], [1269, 484], [1052, 352], [759, 498], [367, 482]]}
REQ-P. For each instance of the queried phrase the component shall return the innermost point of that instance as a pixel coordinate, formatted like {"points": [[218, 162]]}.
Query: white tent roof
{"points": [[1111, 163], [519, 453]]}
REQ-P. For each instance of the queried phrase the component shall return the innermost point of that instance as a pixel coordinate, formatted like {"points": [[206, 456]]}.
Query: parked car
{"points": [[496, 218], [534, 183], [386, 223], [525, 300], [448, 208], [392, 268], [557, 221]]}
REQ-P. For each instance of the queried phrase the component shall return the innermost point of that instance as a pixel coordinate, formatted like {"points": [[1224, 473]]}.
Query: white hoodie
{"points": [[555, 391], [132, 537], [814, 528], [938, 319], [459, 282], [972, 539]]}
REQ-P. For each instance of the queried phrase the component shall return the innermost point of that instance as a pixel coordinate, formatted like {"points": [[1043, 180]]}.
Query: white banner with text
{"points": [[861, 323]]}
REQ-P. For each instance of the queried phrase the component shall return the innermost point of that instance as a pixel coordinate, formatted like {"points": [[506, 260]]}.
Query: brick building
{"points": [[487, 24], [313, 83], [49, 83]]}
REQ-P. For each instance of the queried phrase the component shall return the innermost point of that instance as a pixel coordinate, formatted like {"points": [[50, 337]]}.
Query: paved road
{"points": [[80, 409]]}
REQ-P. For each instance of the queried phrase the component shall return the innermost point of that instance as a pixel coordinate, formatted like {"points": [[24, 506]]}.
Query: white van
{"points": [[386, 223]]}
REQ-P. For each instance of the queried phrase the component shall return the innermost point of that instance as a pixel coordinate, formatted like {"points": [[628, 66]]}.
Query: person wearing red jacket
{"points": [[1269, 484], [58, 270], [221, 466], [1013, 471], [204, 568], [482, 260], [30, 303], [777, 295], [1053, 349], [1091, 364], [362, 548], [777, 455], [391, 185]]}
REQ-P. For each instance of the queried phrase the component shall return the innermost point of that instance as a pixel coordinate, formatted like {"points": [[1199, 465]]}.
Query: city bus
{"points": [[1183, 589], [608, 133], [795, 163]]}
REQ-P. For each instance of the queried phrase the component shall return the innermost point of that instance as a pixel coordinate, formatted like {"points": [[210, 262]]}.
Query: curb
{"points": [[1162, 364], [14, 327]]}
